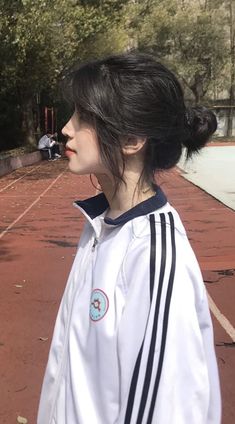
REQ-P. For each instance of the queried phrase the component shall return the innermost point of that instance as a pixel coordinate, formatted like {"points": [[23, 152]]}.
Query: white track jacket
{"points": [[133, 340]]}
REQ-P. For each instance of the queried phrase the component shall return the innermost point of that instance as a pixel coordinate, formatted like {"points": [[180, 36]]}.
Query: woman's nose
{"points": [[65, 130]]}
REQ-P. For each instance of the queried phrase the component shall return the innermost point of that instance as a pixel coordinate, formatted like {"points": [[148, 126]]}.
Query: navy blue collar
{"points": [[95, 206]]}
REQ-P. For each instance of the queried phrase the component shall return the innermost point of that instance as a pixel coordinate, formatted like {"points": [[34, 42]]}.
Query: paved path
{"points": [[36, 254], [213, 170], [39, 230]]}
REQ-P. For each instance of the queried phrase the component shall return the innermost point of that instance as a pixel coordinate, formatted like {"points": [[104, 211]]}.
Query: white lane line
{"points": [[32, 204], [224, 322], [20, 178]]}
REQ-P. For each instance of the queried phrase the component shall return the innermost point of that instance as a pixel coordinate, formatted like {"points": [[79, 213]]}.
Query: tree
{"points": [[39, 39], [200, 43], [188, 35]]}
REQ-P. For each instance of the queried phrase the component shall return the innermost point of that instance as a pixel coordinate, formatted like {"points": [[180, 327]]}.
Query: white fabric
{"points": [[91, 363], [45, 142]]}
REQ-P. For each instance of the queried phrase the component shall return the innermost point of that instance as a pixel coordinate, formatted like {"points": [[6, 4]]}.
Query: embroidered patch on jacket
{"points": [[99, 305]]}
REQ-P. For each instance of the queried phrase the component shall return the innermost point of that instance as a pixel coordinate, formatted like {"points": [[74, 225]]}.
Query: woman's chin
{"points": [[78, 170]]}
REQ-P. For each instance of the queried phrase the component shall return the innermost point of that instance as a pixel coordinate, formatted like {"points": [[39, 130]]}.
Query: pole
{"points": [[46, 120], [52, 120]]}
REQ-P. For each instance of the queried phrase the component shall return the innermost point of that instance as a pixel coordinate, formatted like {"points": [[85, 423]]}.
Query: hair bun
{"points": [[202, 123]]}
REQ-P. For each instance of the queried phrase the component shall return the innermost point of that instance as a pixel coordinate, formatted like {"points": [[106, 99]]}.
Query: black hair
{"points": [[133, 95]]}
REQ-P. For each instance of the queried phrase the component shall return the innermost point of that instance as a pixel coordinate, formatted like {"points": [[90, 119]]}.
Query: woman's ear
{"points": [[133, 145]]}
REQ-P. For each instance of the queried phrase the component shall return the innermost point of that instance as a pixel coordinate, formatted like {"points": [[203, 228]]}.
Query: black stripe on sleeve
{"points": [[152, 254], [134, 380], [165, 319], [132, 391], [135, 375], [149, 368]]}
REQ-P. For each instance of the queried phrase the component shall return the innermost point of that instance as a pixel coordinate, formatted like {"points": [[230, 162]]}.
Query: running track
{"points": [[39, 231]]}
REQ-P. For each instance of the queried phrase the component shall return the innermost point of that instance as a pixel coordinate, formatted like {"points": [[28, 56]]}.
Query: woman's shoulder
{"points": [[164, 217], [165, 229]]}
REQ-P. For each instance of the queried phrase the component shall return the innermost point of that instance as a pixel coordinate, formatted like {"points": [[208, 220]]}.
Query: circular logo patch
{"points": [[99, 305]]}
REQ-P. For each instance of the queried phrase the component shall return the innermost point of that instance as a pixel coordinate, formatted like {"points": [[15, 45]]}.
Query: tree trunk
{"points": [[197, 88], [232, 86], [27, 123]]}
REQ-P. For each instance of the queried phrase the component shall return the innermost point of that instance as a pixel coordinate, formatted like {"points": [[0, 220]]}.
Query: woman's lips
{"points": [[69, 152]]}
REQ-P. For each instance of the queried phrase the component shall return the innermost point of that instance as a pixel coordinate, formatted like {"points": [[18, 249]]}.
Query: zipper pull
{"points": [[94, 244]]}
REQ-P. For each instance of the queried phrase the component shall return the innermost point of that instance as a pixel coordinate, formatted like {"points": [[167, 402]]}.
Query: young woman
{"points": [[133, 340]]}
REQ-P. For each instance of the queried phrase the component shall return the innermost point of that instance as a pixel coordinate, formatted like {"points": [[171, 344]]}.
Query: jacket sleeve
{"points": [[189, 389], [174, 379]]}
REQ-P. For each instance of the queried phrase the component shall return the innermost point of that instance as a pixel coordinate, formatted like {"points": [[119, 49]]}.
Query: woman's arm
{"points": [[173, 376]]}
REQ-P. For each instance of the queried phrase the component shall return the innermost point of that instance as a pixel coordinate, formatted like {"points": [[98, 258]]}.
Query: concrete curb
{"points": [[9, 164]]}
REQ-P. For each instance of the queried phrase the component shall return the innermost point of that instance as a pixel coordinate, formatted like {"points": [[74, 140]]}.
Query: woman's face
{"points": [[82, 147]]}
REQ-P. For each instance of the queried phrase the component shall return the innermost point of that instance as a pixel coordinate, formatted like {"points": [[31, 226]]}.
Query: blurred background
{"points": [[40, 39]]}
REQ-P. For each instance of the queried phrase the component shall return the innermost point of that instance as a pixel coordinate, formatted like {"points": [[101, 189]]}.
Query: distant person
{"points": [[48, 143], [133, 340]]}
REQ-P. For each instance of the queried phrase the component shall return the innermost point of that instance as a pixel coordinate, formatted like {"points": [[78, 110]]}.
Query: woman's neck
{"points": [[127, 196]]}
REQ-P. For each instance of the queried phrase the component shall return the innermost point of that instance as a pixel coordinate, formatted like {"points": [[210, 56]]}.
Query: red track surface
{"points": [[36, 253]]}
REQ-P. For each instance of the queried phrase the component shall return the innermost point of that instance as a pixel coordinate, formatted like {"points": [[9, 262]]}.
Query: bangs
{"points": [[76, 89]]}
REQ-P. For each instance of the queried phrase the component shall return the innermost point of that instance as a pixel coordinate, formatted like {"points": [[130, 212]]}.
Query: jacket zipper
{"points": [[94, 243]]}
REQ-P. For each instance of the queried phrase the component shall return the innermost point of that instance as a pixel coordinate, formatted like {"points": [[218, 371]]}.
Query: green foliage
{"points": [[41, 38], [190, 36], [200, 43]]}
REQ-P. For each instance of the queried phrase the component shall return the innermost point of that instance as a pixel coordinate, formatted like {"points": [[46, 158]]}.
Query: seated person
{"points": [[47, 143]]}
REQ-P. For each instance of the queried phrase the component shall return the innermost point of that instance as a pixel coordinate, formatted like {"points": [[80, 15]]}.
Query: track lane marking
{"points": [[20, 178], [224, 322], [32, 204]]}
